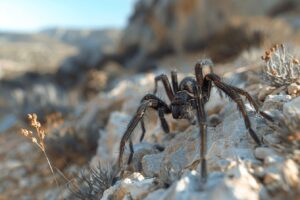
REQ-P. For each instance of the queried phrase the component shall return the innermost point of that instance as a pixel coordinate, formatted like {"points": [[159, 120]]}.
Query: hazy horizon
{"points": [[8, 31], [28, 16]]}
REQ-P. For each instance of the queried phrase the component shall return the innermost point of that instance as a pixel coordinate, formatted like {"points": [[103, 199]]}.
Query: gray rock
{"points": [[275, 102], [239, 175], [110, 138], [133, 187], [157, 194], [218, 187], [263, 152], [272, 139], [290, 172], [267, 154], [151, 164], [187, 187], [140, 151], [291, 111], [281, 179], [158, 27], [175, 27]]}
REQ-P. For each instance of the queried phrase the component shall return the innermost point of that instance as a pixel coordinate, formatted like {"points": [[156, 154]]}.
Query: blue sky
{"points": [[34, 15]]}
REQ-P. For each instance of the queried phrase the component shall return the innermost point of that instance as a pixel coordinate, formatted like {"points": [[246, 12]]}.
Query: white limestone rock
{"points": [[291, 111], [110, 138], [133, 187]]}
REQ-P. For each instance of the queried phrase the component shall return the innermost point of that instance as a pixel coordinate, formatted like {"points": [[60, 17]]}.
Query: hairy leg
{"points": [[199, 69], [131, 152], [174, 79], [149, 100], [143, 130], [201, 117], [163, 121], [166, 84], [204, 84], [252, 102], [238, 100]]}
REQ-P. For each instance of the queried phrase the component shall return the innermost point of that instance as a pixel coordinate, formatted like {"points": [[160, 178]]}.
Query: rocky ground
{"points": [[88, 93], [238, 169]]}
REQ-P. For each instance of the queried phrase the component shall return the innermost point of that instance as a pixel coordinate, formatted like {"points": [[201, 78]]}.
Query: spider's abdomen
{"points": [[187, 84]]}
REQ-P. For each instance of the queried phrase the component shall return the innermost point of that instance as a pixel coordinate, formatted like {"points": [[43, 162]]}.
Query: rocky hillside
{"points": [[221, 29], [166, 166], [20, 53], [54, 49]]}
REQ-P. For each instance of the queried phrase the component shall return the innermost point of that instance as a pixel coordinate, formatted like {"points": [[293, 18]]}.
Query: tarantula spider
{"points": [[190, 95]]}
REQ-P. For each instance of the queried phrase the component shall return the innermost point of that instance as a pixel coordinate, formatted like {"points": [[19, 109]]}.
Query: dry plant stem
{"points": [[38, 138], [50, 166], [62, 175]]}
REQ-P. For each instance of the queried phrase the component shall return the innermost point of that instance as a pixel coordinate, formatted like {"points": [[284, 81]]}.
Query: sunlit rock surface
{"points": [[237, 168]]}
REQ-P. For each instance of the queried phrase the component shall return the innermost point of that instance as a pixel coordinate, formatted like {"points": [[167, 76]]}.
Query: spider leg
{"points": [[131, 152], [149, 100], [174, 79], [204, 84], [143, 130], [199, 69], [163, 121], [201, 117], [238, 100], [132, 124], [252, 102], [166, 84]]}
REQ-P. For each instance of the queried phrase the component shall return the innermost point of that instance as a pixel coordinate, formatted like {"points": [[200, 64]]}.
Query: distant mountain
{"points": [[50, 49], [80, 37]]}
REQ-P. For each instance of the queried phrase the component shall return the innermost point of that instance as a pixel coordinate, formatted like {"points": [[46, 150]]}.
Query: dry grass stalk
{"points": [[38, 138]]}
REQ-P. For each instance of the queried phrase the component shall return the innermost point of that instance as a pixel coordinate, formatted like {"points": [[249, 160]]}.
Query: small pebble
{"points": [[263, 152], [264, 92], [271, 177]]}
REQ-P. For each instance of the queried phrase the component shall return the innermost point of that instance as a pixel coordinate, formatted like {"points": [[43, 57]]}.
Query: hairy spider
{"points": [[188, 96]]}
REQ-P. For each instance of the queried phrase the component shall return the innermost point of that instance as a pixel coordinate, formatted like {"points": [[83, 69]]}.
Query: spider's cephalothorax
{"points": [[182, 106], [187, 100]]}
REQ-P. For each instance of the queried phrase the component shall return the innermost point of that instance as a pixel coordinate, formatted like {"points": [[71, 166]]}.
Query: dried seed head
{"points": [[25, 132], [296, 61], [281, 68], [39, 136], [34, 140]]}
